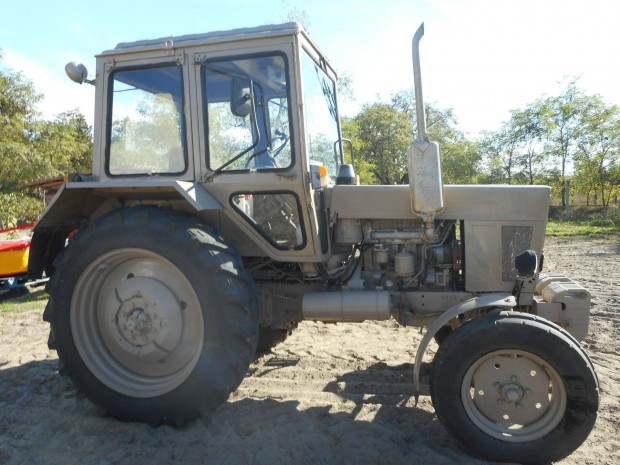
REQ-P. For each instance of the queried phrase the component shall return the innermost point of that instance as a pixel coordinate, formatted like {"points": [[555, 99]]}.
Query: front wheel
{"points": [[152, 315], [511, 387]]}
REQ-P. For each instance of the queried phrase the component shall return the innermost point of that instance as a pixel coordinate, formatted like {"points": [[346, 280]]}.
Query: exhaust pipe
{"points": [[425, 181], [417, 85]]}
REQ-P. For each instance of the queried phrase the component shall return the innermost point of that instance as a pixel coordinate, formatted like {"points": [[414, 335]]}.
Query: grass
{"points": [[572, 228], [585, 221], [32, 301]]}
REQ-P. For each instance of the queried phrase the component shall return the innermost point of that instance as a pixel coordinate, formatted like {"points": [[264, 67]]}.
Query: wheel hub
{"points": [[144, 318], [137, 325], [511, 392], [506, 384], [512, 395]]}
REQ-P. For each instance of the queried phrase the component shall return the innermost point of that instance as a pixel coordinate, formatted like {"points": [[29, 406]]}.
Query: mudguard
{"points": [[77, 202], [491, 300]]}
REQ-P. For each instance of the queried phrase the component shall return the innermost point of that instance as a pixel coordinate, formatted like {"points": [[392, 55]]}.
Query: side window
{"points": [[146, 123], [321, 115], [248, 115], [276, 215]]}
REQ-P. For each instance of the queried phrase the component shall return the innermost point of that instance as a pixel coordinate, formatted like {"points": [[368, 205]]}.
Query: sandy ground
{"points": [[330, 394]]}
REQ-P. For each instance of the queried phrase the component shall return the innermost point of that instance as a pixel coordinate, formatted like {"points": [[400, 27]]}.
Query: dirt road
{"points": [[330, 394]]}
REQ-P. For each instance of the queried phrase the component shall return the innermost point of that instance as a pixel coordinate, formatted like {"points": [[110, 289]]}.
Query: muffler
{"points": [[347, 306], [425, 179]]}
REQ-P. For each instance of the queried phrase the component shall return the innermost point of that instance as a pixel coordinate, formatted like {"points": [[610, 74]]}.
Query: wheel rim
{"points": [[137, 322], [513, 395]]}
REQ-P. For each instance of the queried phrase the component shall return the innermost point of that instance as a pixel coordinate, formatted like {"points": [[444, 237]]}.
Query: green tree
{"points": [[382, 132], [543, 141], [500, 150], [461, 162], [381, 136], [18, 99], [62, 146], [528, 128], [460, 157], [363, 168], [563, 121], [598, 150], [31, 148]]}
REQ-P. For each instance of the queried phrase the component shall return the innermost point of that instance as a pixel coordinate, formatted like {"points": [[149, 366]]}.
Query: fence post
{"points": [[567, 197]]}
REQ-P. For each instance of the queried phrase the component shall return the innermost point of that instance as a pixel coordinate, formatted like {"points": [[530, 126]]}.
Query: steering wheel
{"points": [[283, 141], [266, 158]]}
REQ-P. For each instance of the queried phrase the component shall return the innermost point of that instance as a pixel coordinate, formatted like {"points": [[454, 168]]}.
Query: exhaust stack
{"points": [[425, 179]]}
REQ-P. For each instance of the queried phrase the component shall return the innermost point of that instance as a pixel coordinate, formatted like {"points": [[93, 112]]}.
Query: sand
{"points": [[330, 394]]}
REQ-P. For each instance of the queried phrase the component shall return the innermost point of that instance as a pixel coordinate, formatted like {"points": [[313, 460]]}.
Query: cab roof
{"points": [[271, 30]]}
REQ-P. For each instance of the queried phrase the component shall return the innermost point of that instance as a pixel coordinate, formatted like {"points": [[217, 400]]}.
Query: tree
{"points": [[17, 115], [32, 149], [363, 169], [528, 128], [515, 153], [345, 87], [598, 154], [563, 115], [381, 135], [294, 14], [500, 150], [461, 162], [460, 157], [382, 132], [62, 146]]}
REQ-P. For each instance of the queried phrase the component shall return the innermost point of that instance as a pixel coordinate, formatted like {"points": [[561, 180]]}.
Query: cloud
{"points": [[60, 94]]}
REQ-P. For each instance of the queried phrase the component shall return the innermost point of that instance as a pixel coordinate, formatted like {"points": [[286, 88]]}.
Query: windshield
{"points": [[247, 109], [147, 125], [321, 114]]}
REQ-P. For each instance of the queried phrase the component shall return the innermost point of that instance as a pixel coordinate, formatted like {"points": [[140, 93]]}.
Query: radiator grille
{"points": [[515, 239]]}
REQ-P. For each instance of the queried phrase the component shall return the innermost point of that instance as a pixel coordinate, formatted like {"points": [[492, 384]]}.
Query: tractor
{"points": [[220, 213]]}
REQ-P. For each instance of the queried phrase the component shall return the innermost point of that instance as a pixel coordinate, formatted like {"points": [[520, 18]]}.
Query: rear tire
{"points": [[512, 387], [152, 315]]}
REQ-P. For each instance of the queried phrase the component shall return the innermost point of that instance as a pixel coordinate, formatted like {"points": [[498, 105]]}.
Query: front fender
{"points": [[484, 301]]}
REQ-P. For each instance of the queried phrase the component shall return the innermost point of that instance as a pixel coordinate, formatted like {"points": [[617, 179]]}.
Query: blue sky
{"points": [[480, 57]]}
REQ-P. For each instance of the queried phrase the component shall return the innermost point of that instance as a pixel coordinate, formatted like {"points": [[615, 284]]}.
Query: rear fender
{"points": [[76, 203]]}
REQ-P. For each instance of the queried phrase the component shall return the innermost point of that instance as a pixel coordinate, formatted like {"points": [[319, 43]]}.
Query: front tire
{"points": [[511, 387], [152, 315]]}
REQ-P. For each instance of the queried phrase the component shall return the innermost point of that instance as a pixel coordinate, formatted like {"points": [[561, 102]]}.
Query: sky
{"points": [[482, 58]]}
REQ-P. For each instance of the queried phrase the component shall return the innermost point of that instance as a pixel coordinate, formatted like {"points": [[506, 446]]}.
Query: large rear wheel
{"points": [[152, 315], [511, 387]]}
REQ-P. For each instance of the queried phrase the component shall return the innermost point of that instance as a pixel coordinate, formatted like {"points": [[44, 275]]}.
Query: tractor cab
{"points": [[244, 114], [240, 127]]}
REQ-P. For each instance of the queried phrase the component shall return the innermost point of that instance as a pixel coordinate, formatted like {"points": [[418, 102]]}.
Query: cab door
{"points": [[253, 162]]}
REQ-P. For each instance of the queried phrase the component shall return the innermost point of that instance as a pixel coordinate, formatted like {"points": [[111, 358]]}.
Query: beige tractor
{"points": [[220, 213]]}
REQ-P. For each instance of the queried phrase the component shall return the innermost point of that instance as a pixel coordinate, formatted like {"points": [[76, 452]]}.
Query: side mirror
{"points": [[241, 97], [77, 72]]}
